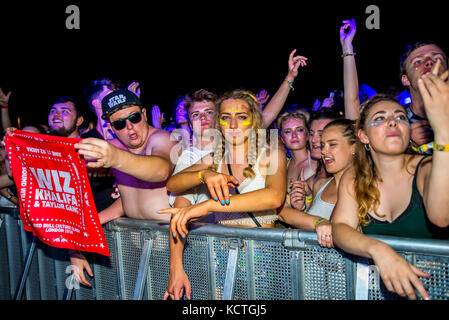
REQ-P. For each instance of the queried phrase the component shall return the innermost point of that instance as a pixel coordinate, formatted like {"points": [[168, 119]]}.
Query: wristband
{"points": [[290, 85], [434, 146], [304, 208], [347, 54], [5, 106], [309, 199], [320, 220], [200, 177]]}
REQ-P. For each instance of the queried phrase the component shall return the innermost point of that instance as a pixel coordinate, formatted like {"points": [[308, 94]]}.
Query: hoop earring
{"points": [[367, 147]]}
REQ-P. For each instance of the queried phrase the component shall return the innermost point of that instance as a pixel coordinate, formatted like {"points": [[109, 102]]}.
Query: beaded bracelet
{"points": [[320, 220], [290, 84]]}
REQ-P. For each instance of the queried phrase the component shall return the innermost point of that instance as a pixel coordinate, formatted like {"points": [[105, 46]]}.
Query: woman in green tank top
{"points": [[393, 191]]}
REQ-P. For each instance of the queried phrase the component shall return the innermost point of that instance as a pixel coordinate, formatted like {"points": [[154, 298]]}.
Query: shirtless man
{"points": [[139, 158]]}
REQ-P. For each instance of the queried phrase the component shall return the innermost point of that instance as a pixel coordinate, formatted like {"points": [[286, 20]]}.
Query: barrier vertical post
{"points": [[143, 269], [26, 269], [231, 269], [362, 279], [69, 289]]}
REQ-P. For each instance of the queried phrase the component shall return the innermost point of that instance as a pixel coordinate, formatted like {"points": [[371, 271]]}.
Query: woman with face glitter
{"points": [[393, 191]]}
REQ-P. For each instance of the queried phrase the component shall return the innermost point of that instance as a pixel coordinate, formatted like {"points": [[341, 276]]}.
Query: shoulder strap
{"points": [[414, 185], [237, 190]]}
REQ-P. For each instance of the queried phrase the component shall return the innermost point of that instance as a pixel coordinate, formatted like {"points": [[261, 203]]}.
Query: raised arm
{"points": [[4, 101], [156, 167], [350, 78], [272, 109], [435, 92]]}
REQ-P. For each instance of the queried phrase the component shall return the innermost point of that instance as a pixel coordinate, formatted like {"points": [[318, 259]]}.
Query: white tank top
{"points": [[321, 208], [247, 185]]}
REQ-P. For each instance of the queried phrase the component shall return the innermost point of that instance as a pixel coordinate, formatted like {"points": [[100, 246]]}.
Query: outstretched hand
{"points": [[294, 62], [346, 38], [262, 97], [134, 87], [97, 152], [182, 216], [4, 99], [157, 117], [434, 89]]}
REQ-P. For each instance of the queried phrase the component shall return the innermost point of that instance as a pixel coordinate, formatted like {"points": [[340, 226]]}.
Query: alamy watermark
{"points": [[73, 20], [373, 20]]}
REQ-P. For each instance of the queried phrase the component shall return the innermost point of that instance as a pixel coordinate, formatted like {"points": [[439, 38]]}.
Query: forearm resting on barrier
{"points": [[114, 211]]}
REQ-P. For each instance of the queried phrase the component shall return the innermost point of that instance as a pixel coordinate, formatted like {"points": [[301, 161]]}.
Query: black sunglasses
{"points": [[120, 124]]}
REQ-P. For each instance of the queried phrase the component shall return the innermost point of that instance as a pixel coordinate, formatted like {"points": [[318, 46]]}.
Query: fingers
{"points": [[212, 192], [219, 190], [301, 175], [436, 68], [405, 285], [188, 292], [181, 225], [174, 226], [233, 180], [82, 279], [418, 284]]}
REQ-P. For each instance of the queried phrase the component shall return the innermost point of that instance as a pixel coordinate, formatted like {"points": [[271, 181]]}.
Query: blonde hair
{"points": [[297, 114], [255, 143]]}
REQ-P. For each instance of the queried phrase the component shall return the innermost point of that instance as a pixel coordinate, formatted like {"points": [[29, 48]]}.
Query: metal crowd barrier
{"points": [[221, 262]]}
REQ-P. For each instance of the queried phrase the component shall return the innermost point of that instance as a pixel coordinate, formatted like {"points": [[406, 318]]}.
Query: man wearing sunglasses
{"points": [[139, 157]]}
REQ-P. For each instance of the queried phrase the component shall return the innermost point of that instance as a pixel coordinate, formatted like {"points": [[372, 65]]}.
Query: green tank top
{"points": [[412, 223]]}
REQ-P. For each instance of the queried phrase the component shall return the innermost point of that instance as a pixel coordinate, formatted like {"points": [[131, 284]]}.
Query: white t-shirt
{"points": [[188, 158]]}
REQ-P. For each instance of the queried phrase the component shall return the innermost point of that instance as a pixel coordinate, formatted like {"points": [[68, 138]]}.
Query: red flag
{"points": [[55, 197]]}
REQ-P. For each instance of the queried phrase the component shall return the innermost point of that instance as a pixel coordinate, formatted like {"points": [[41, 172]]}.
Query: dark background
{"points": [[173, 48]]}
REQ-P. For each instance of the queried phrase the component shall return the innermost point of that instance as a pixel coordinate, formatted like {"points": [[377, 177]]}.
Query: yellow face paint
{"points": [[233, 109], [247, 122], [223, 123]]}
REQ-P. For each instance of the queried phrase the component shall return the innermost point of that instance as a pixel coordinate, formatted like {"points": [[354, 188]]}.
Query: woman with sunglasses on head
{"points": [[393, 191], [242, 162]]}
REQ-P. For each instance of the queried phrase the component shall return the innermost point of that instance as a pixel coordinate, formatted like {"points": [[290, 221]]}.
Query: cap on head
{"points": [[116, 100]]}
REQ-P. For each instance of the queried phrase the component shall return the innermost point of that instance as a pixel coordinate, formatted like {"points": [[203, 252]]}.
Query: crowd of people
{"points": [[355, 164]]}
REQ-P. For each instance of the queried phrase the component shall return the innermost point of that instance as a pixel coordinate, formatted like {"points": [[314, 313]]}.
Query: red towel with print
{"points": [[55, 198]]}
